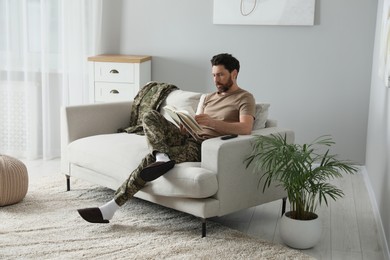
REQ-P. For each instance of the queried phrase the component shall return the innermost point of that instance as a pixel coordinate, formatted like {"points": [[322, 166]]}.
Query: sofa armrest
{"points": [[92, 119], [238, 186]]}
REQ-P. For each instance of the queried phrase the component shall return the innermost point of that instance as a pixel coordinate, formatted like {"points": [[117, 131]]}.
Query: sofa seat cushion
{"points": [[185, 180], [117, 155], [114, 155]]}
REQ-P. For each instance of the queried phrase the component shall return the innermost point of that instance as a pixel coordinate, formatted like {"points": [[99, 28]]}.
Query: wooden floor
{"points": [[349, 227]]}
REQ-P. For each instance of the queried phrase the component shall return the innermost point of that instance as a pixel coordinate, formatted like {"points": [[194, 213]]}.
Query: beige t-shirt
{"points": [[228, 107]]}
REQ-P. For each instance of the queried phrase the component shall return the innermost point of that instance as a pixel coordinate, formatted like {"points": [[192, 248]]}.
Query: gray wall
{"points": [[316, 78], [378, 136]]}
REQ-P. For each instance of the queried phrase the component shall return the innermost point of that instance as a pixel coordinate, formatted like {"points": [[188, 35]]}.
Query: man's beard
{"points": [[226, 87]]}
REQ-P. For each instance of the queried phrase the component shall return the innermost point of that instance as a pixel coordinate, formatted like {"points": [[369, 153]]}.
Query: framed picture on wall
{"points": [[264, 12]]}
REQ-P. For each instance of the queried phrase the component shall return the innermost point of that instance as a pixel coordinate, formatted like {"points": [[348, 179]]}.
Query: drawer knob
{"points": [[114, 71], [114, 91]]}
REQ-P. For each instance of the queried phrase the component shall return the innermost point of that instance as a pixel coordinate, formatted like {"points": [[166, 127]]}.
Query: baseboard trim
{"points": [[377, 216]]}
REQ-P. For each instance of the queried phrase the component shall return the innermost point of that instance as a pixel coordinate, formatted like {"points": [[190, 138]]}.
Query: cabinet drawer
{"points": [[114, 72], [106, 92]]}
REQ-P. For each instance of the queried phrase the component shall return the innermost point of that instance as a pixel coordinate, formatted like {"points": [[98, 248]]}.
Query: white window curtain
{"points": [[44, 46]]}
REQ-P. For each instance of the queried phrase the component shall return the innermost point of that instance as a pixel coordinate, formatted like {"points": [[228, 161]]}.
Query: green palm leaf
{"points": [[302, 171]]}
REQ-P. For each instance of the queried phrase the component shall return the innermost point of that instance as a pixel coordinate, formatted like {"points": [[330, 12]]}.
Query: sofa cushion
{"points": [[117, 155], [261, 115], [200, 104], [181, 99], [109, 154], [185, 180]]}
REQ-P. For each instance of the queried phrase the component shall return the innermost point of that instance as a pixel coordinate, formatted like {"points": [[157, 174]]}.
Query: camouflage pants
{"points": [[162, 136]]}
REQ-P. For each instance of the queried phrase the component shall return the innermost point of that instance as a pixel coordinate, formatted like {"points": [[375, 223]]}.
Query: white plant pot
{"points": [[300, 234]]}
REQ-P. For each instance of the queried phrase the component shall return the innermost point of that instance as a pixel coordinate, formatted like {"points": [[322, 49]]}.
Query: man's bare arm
{"points": [[244, 127]]}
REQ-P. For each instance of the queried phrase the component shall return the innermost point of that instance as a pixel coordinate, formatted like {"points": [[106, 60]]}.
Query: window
{"points": [[23, 47]]}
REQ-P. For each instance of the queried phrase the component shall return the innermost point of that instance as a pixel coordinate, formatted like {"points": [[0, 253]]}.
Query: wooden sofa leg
{"points": [[203, 227], [67, 182], [284, 205]]}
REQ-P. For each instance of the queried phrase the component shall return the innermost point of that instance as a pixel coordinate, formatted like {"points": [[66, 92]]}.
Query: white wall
{"points": [[378, 134], [316, 78]]}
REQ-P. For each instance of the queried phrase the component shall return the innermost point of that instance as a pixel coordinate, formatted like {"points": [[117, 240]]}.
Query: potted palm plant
{"points": [[304, 171]]}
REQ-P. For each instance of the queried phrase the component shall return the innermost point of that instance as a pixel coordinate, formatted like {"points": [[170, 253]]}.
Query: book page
{"points": [[186, 118], [171, 112], [189, 120]]}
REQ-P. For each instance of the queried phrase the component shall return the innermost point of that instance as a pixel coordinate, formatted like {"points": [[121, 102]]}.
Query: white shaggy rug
{"points": [[46, 225]]}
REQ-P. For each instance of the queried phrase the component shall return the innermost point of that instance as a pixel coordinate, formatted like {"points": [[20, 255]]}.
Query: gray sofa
{"points": [[91, 149]]}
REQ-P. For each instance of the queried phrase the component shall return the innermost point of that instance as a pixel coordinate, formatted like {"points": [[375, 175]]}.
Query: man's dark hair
{"points": [[226, 60]]}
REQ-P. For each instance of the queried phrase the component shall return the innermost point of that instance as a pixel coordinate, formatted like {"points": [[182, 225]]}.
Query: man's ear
{"points": [[234, 74]]}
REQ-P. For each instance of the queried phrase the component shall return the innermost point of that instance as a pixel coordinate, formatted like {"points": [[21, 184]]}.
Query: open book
{"points": [[186, 117]]}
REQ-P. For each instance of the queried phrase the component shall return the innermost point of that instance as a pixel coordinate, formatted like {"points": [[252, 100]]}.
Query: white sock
{"points": [[162, 157], [108, 210]]}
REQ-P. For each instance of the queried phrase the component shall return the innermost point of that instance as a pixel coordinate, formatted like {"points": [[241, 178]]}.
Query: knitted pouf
{"points": [[13, 180]]}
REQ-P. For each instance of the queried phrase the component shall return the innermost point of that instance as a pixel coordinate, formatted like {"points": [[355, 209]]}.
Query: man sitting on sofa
{"points": [[229, 110]]}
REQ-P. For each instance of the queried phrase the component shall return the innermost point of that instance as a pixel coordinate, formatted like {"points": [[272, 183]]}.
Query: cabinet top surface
{"points": [[120, 58]]}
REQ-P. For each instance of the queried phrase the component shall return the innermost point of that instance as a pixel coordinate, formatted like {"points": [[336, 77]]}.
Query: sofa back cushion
{"points": [[183, 99], [261, 115], [180, 99]]}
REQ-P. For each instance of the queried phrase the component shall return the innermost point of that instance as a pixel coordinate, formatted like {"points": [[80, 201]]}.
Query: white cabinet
{"points": [[117, 77]]}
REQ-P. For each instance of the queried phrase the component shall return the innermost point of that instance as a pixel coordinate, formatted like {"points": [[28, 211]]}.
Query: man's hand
{"points": [[204, 119], [183, 130]]}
